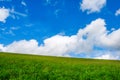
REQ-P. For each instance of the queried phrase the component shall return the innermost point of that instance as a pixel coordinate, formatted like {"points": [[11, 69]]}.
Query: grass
{"points": [[32, 67]]}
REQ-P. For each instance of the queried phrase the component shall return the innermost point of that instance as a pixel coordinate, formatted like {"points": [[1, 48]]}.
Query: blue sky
{"points": [[53, 23]]}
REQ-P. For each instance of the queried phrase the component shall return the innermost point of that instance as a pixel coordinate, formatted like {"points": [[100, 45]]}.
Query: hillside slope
{"points": [[32, 67]]}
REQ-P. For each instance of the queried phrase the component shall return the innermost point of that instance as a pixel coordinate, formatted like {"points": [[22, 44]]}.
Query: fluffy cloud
{"points": [[92, 5], [58, 44], [111, 40], [117, 12], [1, 48], [93, 35], [4, 13], [22, 46]]}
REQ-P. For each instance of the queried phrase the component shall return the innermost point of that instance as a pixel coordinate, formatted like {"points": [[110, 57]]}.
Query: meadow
{"points": [[33, 67]]}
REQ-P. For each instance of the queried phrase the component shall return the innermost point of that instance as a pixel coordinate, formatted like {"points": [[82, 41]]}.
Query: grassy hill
{"points": [[32, 67]]}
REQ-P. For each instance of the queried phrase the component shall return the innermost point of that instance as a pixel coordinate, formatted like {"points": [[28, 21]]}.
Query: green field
{"points": [[32, 67]]}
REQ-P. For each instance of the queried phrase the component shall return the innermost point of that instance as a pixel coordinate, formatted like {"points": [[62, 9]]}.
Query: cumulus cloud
{"points": [[111, 40], [22, 46], [4, 13], [93, 35], [1, 48], [92, 5], [117, 12]]}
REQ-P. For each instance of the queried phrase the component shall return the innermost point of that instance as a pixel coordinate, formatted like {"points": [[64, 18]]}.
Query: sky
{"points": [[67, 28]]}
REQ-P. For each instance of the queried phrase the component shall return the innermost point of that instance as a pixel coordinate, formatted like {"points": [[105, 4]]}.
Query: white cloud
{"points": [[94, 34], [23, 3], [117, 12], [2, 48], [14, 28], [58, 45], [4, 13], [108, 56], [12, 11], [92, 5], [22, 46], [10, 32], [111, 40], [89, 36]]}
